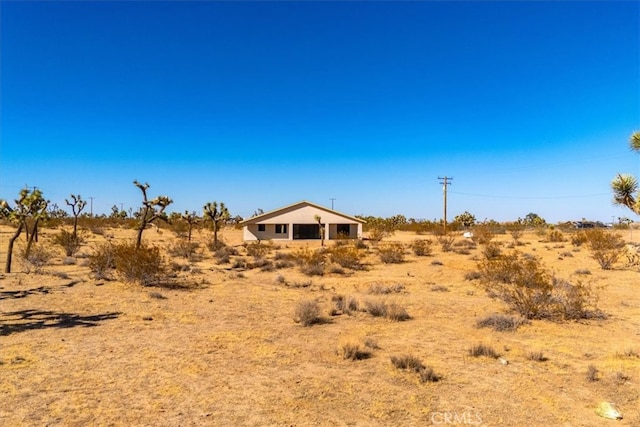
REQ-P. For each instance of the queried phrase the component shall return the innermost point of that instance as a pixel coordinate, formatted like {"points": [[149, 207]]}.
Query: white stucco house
{"points": [[299, 221]]}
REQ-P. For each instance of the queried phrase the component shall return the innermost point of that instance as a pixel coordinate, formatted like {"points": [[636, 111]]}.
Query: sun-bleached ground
{"points": [[76, 351]]}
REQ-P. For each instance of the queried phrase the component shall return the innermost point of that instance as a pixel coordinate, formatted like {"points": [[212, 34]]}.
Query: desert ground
{"points": [[224, 349]]}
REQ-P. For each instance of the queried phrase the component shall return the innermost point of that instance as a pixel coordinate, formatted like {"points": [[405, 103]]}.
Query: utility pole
{"points": [[91, 209], [446, 181], [332, 199]]}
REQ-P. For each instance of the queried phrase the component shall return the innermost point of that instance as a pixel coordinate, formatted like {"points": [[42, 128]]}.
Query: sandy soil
{"points": [[76, 351]]}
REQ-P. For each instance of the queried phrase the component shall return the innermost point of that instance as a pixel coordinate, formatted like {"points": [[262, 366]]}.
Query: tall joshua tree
{"points": [[191, 219], [151, 210], [218, 214], [76, 207], [625, 186], [30, 205]]}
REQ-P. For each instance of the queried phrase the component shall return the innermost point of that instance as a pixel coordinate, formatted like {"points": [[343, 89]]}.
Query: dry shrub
{"points": [[606, 248], [530, 290], [396, 313], [413, 364], [592, 373], [382, 289], [555, 236], [491, 250], [439, 288], [422, 247], [537, 356], [472, 275], [38, 257], [259, 249], [143, 265], [446, 242], [579, 238], [307, 313], [392, 253], [483, 350], [352, 351], [102, 261], [501, 322], [483, 234], [375, 308], [70, 243], [183, 249], [346, 256], [378, 233], [311, 262], [345, 305]]}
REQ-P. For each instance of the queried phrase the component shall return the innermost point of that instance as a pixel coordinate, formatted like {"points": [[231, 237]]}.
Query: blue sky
{"points": [[527, 105]]}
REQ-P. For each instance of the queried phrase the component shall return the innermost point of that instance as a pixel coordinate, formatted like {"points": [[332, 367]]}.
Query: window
{"points": [[281, 228], [262, 227], [343, 230]]}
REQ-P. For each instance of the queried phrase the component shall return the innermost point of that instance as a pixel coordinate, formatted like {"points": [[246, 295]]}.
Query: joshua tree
{"points": [[625, 186], [30, 205], [191, 218], [218, 216], [76, 207], [151, 210], [466, 219], [319, 219]]}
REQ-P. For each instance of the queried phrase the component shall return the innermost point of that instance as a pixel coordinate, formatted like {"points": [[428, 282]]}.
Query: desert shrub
{"points": [[360, 244], [472, 275], [311, 262], [530, 290], [382, 289], [422, 247], [436, 262], [446, 242], [102, 261], [69, 243], [536, 356], [307, 313], [352, 351], [500, 322], [491, 250], [555, 236], [183, 248], [143, 265], [439, 288], [483, 350], [38, 257], [392, 253], [375, 308], [606, 248], [378, 233], [483, 234], [371, 343], [407, 362], [258, 249], [346, 256], [156, 295], [283, 264], [592, 373], [579, 238], [345, 305], [396, 313], [282, 256]]}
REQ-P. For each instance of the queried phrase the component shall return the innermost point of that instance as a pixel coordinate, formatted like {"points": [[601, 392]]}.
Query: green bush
{"points": [[69, 243], [347, 256]]}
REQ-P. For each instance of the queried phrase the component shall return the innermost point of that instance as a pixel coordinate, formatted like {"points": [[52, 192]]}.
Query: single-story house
{"points": [[300, 221]]}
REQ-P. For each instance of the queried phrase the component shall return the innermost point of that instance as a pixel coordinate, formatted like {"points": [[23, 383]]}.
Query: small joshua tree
{"points": [[151, 210], [321, 226], [29, 206], [218, 214], [191, 219], [76, 208]]}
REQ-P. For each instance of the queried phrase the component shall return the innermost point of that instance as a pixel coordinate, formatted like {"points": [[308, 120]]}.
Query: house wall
{"points": [[299, 215]]}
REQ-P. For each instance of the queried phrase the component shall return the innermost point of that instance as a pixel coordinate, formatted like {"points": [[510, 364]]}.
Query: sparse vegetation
{"points": [[422, 247], [142, 265], [485, 350], [392, 253], [605, 247], [500, 322], [307, 313]]}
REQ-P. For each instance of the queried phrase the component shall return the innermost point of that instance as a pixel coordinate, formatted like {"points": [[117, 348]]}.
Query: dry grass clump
{"points": [[593, 374], [501, 322], [346, 256], [38, 257], [483, 234], [307, 313], [258, 249], [143, 265], [391, 311], [391, 253], [439, 288], [352, 351], [311, 262], [184, 249], [413, 364], [344, 305], [555, 236], [537, 356], [382, 289], [606, 248], [446, 242], [492, 250], [422, 247], [534, 293], [472, 275], [102, 261], [579, 238], [483, 350]]}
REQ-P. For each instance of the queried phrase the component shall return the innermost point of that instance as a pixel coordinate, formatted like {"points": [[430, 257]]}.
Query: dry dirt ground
{"points": [[76, 351]]}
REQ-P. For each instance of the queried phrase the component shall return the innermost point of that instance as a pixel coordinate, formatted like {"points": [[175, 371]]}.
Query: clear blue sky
{"points": [[527, 105]]}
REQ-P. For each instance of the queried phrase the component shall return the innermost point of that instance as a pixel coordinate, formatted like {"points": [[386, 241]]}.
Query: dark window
{"points": [[281, 228], [343, 229], [262, 227]]}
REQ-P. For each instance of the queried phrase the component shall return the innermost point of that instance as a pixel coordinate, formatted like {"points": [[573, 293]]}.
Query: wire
{"points": [[531, 197]]}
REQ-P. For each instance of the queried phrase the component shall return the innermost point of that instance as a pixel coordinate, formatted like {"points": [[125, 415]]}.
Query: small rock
{"points": [[608, 410], [503, 360]]}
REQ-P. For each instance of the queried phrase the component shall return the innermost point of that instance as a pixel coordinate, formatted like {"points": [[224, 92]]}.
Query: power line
{"points": [[532, 197]]}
